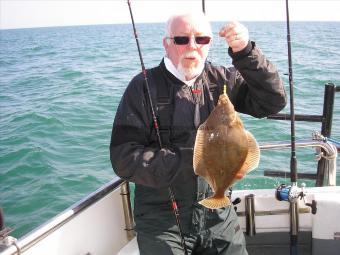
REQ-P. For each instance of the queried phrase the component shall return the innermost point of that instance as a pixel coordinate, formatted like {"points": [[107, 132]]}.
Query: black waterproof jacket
{"points": [[254, 87]]}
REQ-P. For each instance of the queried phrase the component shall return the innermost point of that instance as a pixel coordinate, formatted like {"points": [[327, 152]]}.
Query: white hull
{"points": [[98, 228]]}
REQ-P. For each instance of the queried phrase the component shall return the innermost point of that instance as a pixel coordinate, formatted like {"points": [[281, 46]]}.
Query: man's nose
{"points": [[192, 43]]}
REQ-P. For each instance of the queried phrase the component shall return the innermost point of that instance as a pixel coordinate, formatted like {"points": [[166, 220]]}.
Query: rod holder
{"points": [[129, 223], [250, 215]]}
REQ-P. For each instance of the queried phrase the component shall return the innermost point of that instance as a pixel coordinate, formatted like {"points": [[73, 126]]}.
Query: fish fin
{"points": [[198, 165], [215, 202], [253, 156]]}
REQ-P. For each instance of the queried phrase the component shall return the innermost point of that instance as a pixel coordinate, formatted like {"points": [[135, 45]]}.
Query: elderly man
{"points": [[184, 90]]}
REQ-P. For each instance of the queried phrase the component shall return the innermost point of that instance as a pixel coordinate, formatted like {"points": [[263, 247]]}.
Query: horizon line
{"points": [[159, 22]]}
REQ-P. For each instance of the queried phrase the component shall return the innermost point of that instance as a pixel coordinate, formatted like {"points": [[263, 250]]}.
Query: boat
{"points": [[102, 222]]}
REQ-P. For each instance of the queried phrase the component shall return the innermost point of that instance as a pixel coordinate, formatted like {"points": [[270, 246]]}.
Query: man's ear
{"points": [[165, 43]]}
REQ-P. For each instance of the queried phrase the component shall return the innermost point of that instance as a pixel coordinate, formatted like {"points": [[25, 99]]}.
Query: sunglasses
{"points": [[183, 40]]}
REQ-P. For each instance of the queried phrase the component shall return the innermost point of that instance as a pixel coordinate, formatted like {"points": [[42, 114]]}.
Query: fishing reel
{"points": [[289, 193], [292, 194]]}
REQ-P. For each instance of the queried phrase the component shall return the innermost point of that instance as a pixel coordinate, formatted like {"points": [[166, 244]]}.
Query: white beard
{"points": [[191, 72]]}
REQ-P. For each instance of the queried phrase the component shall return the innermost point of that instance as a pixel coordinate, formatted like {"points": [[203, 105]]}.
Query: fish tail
{"points": [[215, 202]]}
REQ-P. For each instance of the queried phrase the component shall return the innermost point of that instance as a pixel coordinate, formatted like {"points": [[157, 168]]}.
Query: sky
{"points": [[45, 13]]}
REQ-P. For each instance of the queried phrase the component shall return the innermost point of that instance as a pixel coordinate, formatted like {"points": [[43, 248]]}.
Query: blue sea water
{"points": [[60, 88]]}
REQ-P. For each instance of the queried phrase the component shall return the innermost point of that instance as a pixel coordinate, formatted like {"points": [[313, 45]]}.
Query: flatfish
{"points": [[224, 151]]}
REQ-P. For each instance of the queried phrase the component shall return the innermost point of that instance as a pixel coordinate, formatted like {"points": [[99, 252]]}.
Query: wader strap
{"points": [[215, 91], [163, 104], [163, 100], [232, 79]]}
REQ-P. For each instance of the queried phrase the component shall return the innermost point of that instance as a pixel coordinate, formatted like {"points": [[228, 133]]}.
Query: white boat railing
{"points": [[51, 226], [324, 149]]}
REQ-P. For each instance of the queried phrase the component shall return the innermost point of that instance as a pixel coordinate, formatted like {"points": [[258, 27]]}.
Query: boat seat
{"points": [[131, 248]]}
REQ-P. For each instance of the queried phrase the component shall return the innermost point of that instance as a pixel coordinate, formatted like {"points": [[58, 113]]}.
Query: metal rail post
{"points": [[326, 128]]}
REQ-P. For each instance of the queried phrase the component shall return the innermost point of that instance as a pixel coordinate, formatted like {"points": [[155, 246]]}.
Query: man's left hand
{"points": [[236, 35]]}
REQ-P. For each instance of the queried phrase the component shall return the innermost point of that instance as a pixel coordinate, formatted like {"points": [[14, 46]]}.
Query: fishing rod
{"points": [[156, 126], [294, 212], [292, 193], [293, 175]]}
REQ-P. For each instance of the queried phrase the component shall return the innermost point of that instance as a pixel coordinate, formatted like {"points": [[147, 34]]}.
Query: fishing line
{"points": [[218, 46], [156, 126], [203, 6]]}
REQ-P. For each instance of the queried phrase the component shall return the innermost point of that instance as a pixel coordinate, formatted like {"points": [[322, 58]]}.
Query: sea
{"points": [[60, 88]]}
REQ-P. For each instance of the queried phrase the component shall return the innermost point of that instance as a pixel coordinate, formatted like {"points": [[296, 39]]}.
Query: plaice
{"points": [[224, 151]]}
